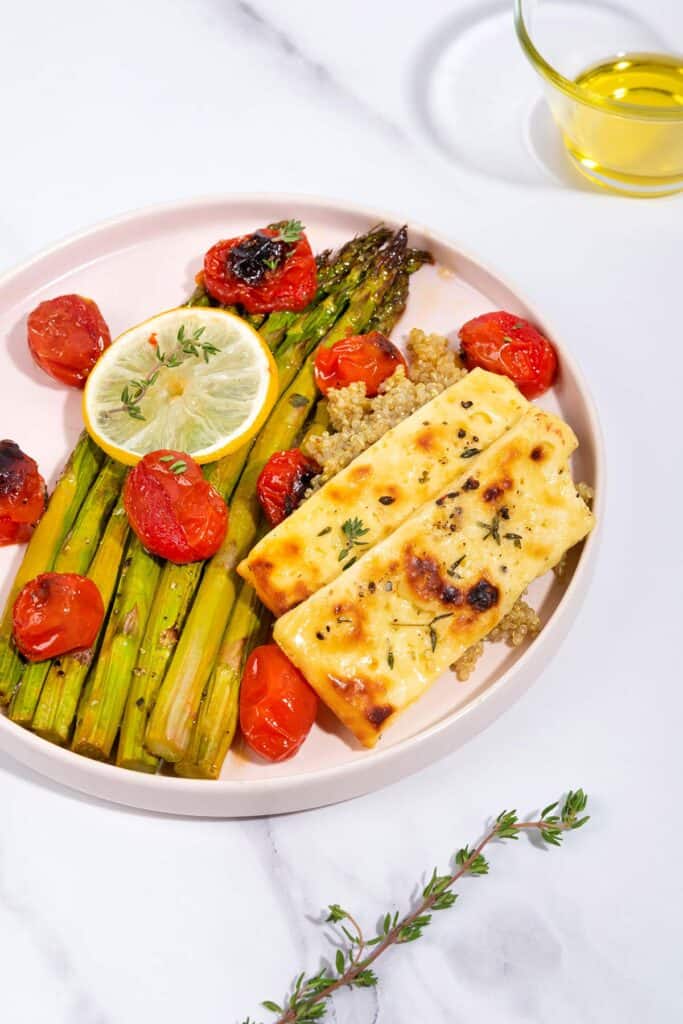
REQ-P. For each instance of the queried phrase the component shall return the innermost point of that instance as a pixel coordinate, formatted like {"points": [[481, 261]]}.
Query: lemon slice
{"points": [[195, 380]]}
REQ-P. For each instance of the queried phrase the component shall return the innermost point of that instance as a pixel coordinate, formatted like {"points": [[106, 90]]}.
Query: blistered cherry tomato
{"points": [[174, 511], [262, 272], [22, 494], [502, 343], [13, 533], [283, 482], [67, 336], [56, 613], [277, 706], [370, 358]]}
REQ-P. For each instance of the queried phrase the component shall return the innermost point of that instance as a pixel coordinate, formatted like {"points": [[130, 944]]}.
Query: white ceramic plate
{"points": [[145, 262]]}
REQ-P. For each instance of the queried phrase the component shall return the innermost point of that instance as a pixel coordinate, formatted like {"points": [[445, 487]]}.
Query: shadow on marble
{"points": [[455, 89]]}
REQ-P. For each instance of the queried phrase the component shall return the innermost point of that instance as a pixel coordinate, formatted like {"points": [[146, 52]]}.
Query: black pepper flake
{"points": [[445, 497], [475, 438], [470, 484], [386, 499], [372, 587], [462, 433], [469, 453], [319, 636], [467, 405], [504, 512]]}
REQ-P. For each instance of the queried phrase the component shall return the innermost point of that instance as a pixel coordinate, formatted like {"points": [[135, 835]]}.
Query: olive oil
{"points": [[643, 79], [638, 148]]}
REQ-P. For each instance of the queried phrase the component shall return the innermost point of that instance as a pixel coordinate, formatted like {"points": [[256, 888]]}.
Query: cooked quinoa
{"points": [[357, 421], [467, 662], [521, 623]]}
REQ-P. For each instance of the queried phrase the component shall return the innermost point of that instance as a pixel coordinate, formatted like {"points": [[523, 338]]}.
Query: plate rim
{"points": [[159, 793]]}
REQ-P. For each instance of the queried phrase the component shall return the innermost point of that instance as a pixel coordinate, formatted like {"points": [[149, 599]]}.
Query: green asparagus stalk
{"points": [[214, 731], [44, 545], [76, 554], [58, 703], [178, 584], [249, 623], [104, 699], [170, 725]]}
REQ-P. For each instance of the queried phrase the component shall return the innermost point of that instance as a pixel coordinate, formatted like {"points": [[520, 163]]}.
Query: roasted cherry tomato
{"points": [[502, 343], [13, 533], [271, 269], [175, 512], [67, 336], [370, 358], [277, 706], [283, 482], [22, 494], [56, 613]]}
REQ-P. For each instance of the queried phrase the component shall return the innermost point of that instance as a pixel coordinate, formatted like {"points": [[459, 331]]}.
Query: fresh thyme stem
{"points": [[353, 964]]}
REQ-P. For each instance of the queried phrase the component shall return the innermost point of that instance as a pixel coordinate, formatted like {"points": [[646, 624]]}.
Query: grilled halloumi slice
{"points": [[378, 490], [372, 641]]}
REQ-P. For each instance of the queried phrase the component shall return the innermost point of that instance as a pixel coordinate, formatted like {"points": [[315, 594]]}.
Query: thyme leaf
{"points": [[491, 529], [352, 530]]}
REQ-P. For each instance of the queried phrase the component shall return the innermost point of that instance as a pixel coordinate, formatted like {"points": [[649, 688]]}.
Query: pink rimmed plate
{"points": [[145, 261]]}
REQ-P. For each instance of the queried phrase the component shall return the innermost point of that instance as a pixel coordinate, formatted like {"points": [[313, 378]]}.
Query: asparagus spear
{"points": [[56, 709], [103, 702], [42, 549], [179, 583], [249, 623], [170, 725], [215, 728], [75, 555]]}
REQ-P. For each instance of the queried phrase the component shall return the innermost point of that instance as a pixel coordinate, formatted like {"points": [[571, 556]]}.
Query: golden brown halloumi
{"points": [[372, 641], [409, 465]]}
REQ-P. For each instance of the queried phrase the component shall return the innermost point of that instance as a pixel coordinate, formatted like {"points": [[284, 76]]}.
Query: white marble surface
{"points": [[116, 917]]}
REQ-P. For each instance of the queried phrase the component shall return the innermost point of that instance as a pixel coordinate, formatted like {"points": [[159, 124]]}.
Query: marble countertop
{"points": [[110, 916]]}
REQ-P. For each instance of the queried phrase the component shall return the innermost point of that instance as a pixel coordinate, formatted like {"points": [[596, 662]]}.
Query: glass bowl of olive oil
{"points": [[615, 90]]}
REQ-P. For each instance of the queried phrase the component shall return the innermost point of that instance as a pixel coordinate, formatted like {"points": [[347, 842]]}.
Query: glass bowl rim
{"points": [[585, 96]]}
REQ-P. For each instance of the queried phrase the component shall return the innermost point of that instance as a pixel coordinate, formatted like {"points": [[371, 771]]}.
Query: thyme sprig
{"points": [[289, 231], [355, 958], [429, 626], [491, 529], [187, 347], [353, 530]]}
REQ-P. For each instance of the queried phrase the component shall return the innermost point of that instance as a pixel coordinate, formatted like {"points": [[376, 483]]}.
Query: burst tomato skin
{"points": [[503, 343], [283, 482], [277, 706], [55, 613], [290, 286], [22, 493], [175, 512], [370, 358], [66, 337]]}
